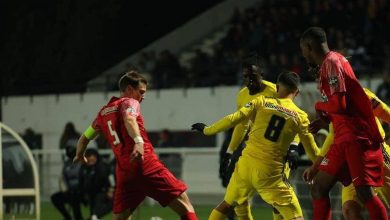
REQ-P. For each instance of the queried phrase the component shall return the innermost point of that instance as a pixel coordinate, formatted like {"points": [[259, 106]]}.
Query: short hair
{"points": [[290, 80], [252, 63], [316, 34], [131, 78]]}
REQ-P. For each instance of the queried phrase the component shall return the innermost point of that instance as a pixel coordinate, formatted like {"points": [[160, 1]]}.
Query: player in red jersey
{"points": [[139, 173], [355, 155]]}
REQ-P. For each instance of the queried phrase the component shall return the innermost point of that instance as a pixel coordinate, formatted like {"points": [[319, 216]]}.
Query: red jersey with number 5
{"points": [[337, 76], [110, 123]]}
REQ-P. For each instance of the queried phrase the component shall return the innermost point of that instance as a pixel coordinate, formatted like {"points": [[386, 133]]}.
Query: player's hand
{"points": [[80, 159], [309, 174], [198, 127], [138, 152], [224, 166], [292, 157], [316, 125]]}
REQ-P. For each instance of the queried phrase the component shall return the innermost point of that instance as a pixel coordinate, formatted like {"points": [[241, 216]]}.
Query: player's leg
{"points": [[384, 191], [322, 183], [238, 192], [365, 163], [165, 188], [221, 211], [283, 198], [332, 168], [183, 207], [351, 204]]}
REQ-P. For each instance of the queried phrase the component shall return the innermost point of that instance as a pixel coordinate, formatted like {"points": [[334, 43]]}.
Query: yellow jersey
{"points": [[275, 124], [243, 97], [379, 108]]}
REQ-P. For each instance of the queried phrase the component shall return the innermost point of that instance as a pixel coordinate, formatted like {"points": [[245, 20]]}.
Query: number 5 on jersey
{"points": [[113, 133]]}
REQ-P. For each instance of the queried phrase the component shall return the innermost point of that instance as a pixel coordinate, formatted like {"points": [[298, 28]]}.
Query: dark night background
{"points": [[56, 46]]}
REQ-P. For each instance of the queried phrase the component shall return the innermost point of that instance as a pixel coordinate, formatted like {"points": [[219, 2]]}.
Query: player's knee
{"points": [[317, 191], [242, 210], [351, 210]]}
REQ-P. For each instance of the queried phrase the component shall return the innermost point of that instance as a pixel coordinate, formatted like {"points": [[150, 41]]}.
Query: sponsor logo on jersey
{"points": [[279, 108], [109, 110]]}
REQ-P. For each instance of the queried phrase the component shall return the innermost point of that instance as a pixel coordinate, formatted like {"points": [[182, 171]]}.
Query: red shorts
{"points": [[355, 161], [132, 187]]}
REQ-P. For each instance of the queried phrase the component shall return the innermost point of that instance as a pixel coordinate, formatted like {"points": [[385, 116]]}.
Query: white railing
{"points": [[17, 191], [198, 168]]}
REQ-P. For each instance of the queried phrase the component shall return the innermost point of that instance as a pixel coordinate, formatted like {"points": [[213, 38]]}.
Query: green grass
{"points": [[146, 212]]}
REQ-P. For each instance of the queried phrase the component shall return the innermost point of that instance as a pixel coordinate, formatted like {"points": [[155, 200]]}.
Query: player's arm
{"points": [[228, 121], [130, 110], [307, 139], [238, 135], [89, 134], [380, 109], [336, 104]]}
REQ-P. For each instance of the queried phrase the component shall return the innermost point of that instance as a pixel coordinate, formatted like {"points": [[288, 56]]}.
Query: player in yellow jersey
{"points": [[276, 121], [254, 87], [351, 205]]}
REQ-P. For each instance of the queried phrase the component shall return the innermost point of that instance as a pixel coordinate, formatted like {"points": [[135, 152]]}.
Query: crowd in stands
{"points": [[357, 28]]}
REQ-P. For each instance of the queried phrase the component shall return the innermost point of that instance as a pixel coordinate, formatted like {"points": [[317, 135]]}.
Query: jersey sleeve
{"points": [[380, 109], [328, 141], [233, 119], [307, 139], [332, 74], [130, 107]]}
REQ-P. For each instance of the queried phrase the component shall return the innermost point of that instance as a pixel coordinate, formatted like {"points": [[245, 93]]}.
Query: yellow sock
{"points": [[217, 215]]}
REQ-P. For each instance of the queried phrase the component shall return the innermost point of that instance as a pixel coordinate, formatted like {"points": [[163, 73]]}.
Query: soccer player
{"points": [[351, 205], [355, 156], [276, 121], [139, 173], [254, 87]]}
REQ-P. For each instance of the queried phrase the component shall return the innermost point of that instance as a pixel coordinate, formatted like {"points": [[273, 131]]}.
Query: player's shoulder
{"points": [[269, 84]]}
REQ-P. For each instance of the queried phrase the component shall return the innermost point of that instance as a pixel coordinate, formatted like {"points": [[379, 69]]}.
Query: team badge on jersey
{"points": [[131, 110], [333, 81], [324, 161], [248, 105]]}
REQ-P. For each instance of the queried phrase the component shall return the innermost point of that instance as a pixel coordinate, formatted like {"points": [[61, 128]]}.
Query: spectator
{"points": [[95, 184], [166, 139], [69, 136], [69, 187], [32, 139]]}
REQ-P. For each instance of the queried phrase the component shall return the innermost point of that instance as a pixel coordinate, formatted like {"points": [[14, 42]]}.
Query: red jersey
{"points": [[110, 123], [336, 75]]}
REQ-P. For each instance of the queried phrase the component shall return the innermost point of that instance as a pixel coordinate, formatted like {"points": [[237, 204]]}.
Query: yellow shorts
{"points": [[267, 181], [349, 192]]}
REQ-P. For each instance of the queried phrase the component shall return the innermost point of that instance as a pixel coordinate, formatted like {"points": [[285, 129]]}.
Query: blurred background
{"points": [[60, 61]]}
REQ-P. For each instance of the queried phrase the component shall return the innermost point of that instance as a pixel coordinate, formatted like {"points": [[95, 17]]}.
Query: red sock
{"points": [[189, 216], [376, 209], [321, 209]]}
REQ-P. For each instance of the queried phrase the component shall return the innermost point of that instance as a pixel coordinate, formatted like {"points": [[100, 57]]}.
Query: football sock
{"points": [[321, 209], [217, 215], [243, 212], [189, 216], [376, 209]]}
